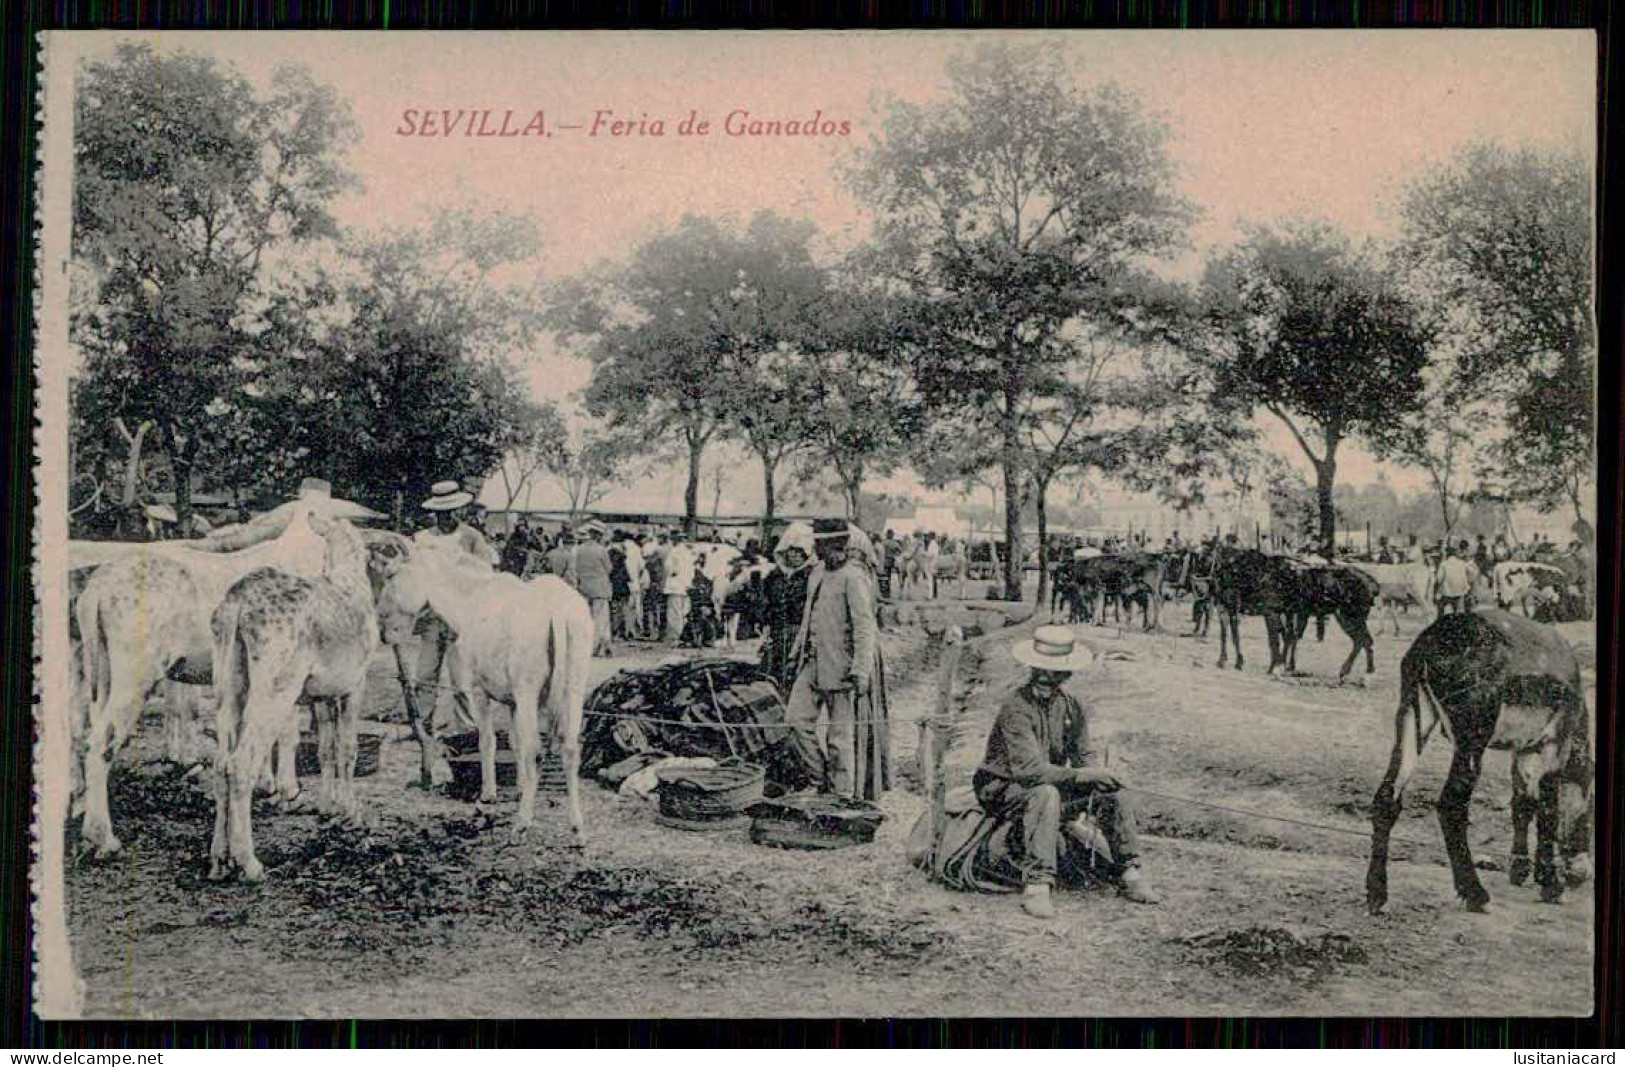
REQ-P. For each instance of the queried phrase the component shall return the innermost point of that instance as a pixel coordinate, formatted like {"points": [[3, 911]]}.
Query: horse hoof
{"points": [[106, 851], [1552, 892], [1475, 905], [253, 872], [487, 798], [217, 871], [1519, 870], [1578, 871]]}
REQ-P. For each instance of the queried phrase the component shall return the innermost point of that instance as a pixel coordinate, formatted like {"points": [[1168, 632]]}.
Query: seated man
{"points": [[1039, 770]]}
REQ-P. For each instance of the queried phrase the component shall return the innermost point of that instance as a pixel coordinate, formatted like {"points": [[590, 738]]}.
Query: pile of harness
{"points": [[722, 708]]}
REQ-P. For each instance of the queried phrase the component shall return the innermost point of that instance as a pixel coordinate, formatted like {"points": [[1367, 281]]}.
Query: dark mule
{"points": [[1122, 581], [1248, 582], [1346, 594], [1068, 591], [1488, 679]]}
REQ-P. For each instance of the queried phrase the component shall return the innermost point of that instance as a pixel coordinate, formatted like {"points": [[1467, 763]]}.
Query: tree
{"points": [[187, 182], [858, 402], [537, 441], [1301, 325], [1016, 205], [588, 463], [398, 368], [1440, 440], [776, 300], [1501, 242], [682, 335]]}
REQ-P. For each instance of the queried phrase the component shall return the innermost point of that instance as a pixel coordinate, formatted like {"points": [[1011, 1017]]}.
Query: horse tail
{"points": [[227, 680]]}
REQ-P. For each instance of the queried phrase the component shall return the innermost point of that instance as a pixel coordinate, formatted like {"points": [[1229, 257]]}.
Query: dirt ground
{"points": [[430, 911]]}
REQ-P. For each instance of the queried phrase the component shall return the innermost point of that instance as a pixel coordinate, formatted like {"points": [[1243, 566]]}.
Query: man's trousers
{"points": [[827, 767], [1040, 812]]}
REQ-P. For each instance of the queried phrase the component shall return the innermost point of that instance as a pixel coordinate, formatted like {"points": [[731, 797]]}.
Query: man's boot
{"points": [[1132, 886], [1035, 902]]}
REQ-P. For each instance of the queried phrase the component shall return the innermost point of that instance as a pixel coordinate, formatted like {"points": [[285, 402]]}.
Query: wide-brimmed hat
{"points": [[594, 527], [448, 496], [830, 530], [796, 535], [1053, 648]]}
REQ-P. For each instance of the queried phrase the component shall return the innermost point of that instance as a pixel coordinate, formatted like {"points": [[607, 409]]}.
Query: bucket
{"points": [[814, 822], [463, 754], [307, 762]]}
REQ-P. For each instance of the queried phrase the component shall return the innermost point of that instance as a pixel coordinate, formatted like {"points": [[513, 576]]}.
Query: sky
{"points": [[1267, 126]]}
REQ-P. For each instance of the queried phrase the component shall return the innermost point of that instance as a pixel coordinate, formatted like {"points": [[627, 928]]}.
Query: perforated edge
{"points": [[58, 992]]}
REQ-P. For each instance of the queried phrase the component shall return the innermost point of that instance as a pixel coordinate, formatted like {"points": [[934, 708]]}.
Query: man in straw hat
{"points": [[836, 643], [447, 502], [1041, 773]]}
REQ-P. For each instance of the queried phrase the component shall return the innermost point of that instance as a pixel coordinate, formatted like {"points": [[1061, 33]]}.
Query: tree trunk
{"points": [[1041, 503], [132, 470], [183, 492], [1325, 479], [769, 467], [853, 487], [1012, 531], [1012, 496], [691, 495]]}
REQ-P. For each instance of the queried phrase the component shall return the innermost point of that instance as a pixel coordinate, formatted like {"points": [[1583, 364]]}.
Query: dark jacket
{"points": [[1036, 744], [785, 599]]}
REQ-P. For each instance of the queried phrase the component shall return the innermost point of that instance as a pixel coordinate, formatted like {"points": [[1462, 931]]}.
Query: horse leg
{"points": [[526, 742], [1454, 799], [488, 749], [1385, 806], [1355, 627], [1523, 811], [567, 743], [327, 754], [1275, 631], [1545, 764], [348, 706], [1575, 804]]}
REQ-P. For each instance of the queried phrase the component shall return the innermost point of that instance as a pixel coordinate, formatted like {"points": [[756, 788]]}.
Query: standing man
{"points": [[591, 567], [837, 644], [1041, 773], [1454, 583], [447, 503], [933, 554], [637, 580], [561, 557], [654, 601], [679, 577]]}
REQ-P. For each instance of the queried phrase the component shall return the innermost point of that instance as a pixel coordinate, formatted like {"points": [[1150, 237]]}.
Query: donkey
{"points": [[279, 639], [515, 640], [1248, 582], [1346, 594], [1489, 680]]}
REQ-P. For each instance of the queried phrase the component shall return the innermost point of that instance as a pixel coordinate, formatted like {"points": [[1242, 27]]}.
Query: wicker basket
{"points": [[700, 793], [307, 761]]}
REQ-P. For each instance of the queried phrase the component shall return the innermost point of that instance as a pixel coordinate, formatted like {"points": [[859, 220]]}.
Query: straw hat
{"points": [[796, 535], [448, 496], [1053, 648]]}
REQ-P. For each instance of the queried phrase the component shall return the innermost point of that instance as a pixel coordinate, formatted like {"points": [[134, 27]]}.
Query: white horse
{"points": [[515, 640]]}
